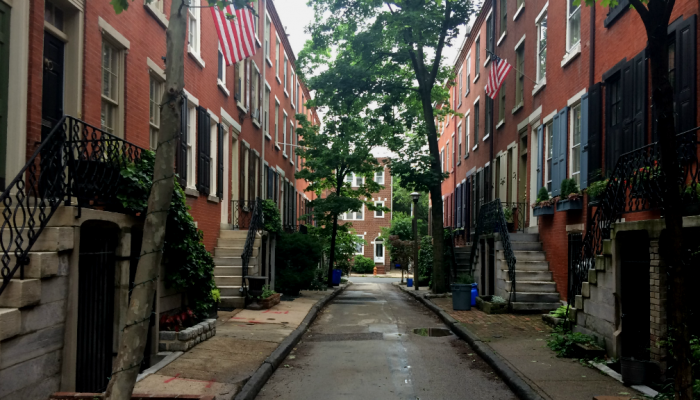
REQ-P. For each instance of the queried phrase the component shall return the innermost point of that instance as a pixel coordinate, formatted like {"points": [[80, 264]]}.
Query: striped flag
{"points": [[237, 36], [499, 70]]}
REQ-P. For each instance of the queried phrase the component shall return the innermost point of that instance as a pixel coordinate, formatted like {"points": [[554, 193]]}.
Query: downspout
{"points": [[263, 186], [493, 133], [591, 57]]}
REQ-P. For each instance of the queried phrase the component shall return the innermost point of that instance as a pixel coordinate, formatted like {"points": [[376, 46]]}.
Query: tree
{"points": [[343, 150], [390, 53], [133, 340], [656, 15], [403, 203]]}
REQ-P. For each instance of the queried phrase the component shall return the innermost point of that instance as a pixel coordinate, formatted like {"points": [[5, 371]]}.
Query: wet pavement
{"points": [[363, 346]]}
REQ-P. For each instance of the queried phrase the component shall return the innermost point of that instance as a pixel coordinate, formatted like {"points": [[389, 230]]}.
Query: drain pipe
{"points": [[591, 57]]}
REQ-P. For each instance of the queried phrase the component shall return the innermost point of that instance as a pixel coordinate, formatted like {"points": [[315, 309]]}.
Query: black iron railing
{"points": [[76, 161], [292, 228], [492, 220], [255, 227], [636, 184], [516, 214], [242, 213]]}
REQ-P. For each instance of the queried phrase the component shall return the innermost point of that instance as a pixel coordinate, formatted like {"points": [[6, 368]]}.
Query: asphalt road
{"points": [[362, 346], [371, 279]]}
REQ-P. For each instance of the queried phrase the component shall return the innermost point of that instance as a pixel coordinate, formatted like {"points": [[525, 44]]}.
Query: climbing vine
{"points": [[189, 267]]}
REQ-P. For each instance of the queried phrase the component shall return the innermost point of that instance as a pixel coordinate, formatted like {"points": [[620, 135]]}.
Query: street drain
{"points": [[432, 332]]}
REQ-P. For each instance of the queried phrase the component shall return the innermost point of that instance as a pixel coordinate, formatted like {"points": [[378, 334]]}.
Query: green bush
{"points": [[271, 216], [363, 265], [464, 279], [425, 261], [568, 186], [297, 257], [564, 343], [542, 195]]}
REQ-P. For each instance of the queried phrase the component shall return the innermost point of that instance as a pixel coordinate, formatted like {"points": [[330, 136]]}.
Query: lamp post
{"points": [[415, 196]]}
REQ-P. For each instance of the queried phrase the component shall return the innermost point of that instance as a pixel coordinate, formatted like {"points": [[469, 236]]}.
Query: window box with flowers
{"points": [[571, 197], [544, 204]]}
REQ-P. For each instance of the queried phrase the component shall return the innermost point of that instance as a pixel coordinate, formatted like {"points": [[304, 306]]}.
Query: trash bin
{"points": [[475, 294], [461, 297], [336, 276], [409, 282]]}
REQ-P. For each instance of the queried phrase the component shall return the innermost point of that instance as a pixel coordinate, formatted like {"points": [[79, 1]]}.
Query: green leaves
{"points": [[120, 5]]}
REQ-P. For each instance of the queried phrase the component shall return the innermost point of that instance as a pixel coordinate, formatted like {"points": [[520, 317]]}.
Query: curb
{"points": [[272, 362], [509, 376]]}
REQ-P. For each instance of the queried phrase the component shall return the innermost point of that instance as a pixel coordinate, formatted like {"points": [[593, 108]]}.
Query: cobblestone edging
{"points": [[510, 377], [187, 338], [268, 367]]}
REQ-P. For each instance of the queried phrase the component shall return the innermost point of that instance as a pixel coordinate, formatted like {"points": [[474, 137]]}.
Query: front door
{"points": [[4, 82], [635, 289], [51, 113]]}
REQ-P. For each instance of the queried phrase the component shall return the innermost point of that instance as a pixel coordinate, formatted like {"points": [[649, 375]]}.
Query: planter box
{"points": [[546, 210], [187, 338], [566, 205], [484, 304], [589, 351], [270, 301]]}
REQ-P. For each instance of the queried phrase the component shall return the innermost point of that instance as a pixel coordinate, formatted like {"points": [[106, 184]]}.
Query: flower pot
{"points": [[543, 210], [270, 301], [214, 313], [633, 371], [567, 205], [484, 304], [461, 297]]}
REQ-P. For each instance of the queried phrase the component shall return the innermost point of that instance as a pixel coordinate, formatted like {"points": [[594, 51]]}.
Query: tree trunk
{"points": [[672, 239], [331, 257], [134, 335]]}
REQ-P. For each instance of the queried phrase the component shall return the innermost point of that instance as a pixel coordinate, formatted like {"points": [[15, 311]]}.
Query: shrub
{"points": [[363, 265], [425, 261], [569, 186], [464, 279], [564, 343], [297, 257], [597, 188], [271, 216]]}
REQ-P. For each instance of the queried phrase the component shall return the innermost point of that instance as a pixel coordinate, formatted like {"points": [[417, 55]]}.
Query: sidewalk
{"points": [[244, 339], [521, 342]]}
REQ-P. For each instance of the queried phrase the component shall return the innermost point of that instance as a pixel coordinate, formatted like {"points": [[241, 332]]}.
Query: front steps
{"points": [[535, 289], [228, 270]]}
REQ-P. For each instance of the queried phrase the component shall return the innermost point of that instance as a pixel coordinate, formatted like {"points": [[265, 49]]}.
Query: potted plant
{"points": [[570, 198], [508, 214], [691, 200], [595, 192], [216, 295], [269, 298], [543, 204], [492, 304], [462, 293]]}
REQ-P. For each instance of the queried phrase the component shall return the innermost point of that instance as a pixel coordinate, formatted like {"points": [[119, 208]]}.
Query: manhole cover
{"points": [[432, 332]]}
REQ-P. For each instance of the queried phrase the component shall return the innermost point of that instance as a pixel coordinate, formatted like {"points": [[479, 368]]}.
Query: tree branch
{"points": [[642, 11], [441, 42]]}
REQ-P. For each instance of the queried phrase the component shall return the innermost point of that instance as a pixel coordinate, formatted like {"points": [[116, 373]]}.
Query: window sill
{"points": [[500, 124], [459, 162], [500, 40], [571, 55], [382, 217], [539, 86], [278, 80], [285, 93], [256, 123], [285, 155], [486, 137], [257, 41], [157, 14], [222, 87], [486, 63], [467, 93], [291, 162], [213, 199], [476, 78], [269, 62], [467, 155], [520, 10], [277, 146], [460, 104], [268, 137], [191, 192], [518, 107], [240, 106], [197, 58], [476, 146]]}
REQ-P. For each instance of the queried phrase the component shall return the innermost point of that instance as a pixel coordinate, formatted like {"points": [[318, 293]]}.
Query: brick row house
{"points": [[577, 100], [76, 66]]}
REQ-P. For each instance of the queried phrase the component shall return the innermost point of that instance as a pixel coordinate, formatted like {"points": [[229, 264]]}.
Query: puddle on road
{"points": [[432, 332]]}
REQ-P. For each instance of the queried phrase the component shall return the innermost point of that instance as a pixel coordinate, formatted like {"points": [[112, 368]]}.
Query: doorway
{"points": [[51, 114], [96, 280], [634, 294]]}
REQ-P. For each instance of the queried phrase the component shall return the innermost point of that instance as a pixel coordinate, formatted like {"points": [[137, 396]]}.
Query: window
{"points": [[502, 103], [573, 24], [466, 136], [442, 159], [360, 247], [191, 145], [379, 213], [349, 178], [504, 17], [193, 45], [520, 76], [155, 97], [549, 135], [469, 76], [542, 47], [54, 15], [378, 250], [488, 117], [255, 19], [266, 111], [477, 57], [354, 215], [296, 95], [379, 177], [576, 143], [239, 72], [268, 26], [221, 68], [447, 157], [111, 66], [359, 181], [489, 34], [277, 58], [255, 94], [213, 155], [277, 120], [285, 73], [616, 102], [291, 139], [461, 87], [459, 144], [476, 124], [284, 133]]}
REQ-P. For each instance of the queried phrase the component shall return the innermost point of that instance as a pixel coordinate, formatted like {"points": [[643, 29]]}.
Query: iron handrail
{"points": [[256, 225], [74, 161]]}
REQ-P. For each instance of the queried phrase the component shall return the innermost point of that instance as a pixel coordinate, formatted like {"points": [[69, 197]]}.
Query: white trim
{"points": [[542, 11], [571, 55], [576, 98], [539, 86], [500, 40], [117, 38], [245, 143], [570, 141], [499, 124], [486, 137], [520, 10], [520, 42], [375, 213], [222, 86], [522, 124], [197, 59], [157, 14], [228, 119], [549, 117], [535, 116], [155, 69], [191, 99], [213, 116], [477, 99]]}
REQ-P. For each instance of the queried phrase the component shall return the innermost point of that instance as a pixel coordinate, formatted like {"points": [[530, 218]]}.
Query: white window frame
{"points": [[442, 159], [352, 215], [548, 131], [268, 44], [154, 118], [192, 142], [213, 153], [461, 87], [469, 73], [284, 134], [380, 175], [277, 123], [542, 17], [459, 143], [576, 175], [266, 110], [358, 180], [447, 157], [466, 133], [379, 241], [291, 141], [277, 58], [569, 16], [221, 81], [194, 38], [240, 85], [255, 83], [379, 211], [116, 101], [362, 245], [285, 74]]}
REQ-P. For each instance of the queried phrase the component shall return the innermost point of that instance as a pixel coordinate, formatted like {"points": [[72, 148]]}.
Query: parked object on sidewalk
{"points": [[336, 276], [461, 293], [492, 304], [409, 282], [475, 293], [633, 371], [266, 300]]}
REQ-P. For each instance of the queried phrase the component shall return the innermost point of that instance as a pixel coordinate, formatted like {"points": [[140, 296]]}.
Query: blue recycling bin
{"points": [[475, 293], [409, 282], [336, 276]]}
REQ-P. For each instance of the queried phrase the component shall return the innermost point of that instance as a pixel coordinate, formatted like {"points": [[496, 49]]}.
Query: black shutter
{"points": [[685, 75], [583, 147], [615, 12], [554, 172], [181, 166], [458, 203], [595, 150], [613, 131], [203, 151], [220, 163], [639, 107], [540, 156]]}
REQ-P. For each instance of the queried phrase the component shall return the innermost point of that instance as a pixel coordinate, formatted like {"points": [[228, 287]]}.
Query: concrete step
{"points": [[228, 271], [525, 255], [527, 297], [533, 286], [523, 276], [233, 251], [51, 239], [233, 261], [21, 293], [524, 237], [232, 302], [224, 242], [463, 250], [523, 265], [229, 291], [231, 234], [526, 246], [10, 322], [228, 280], [527, 307]]}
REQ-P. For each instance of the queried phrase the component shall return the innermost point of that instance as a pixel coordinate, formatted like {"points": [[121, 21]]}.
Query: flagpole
{"points": [[494, 54]]}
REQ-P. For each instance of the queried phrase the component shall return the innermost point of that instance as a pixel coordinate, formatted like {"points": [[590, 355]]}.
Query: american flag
{"points": [[499, 70], [237, 36]]}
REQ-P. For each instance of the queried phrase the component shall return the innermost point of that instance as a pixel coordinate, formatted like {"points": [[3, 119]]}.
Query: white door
{"points": [[379, 251]]}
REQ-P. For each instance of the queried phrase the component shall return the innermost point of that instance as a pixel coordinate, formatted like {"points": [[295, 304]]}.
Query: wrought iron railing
{"points": [[519, 215], [256, 226], [492, 220], [635, 184], [76, 161], [292, 228], [242, 213]]}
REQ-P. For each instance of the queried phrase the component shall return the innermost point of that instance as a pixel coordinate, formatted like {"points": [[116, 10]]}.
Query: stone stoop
{"points": [[228, 270], [535, 289]]}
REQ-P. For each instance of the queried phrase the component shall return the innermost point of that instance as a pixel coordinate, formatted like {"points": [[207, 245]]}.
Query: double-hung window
{"points": [[292, 134], [541, 47], [155, 97], [266, 111], [477, 57], [476, 124], [469, 76], [379, 213], [549, 135], [379, 177], [520, 76], [239, 73], [576, 143], [447, 156], [466, 135], [459, 143], [277, 122], [111, 88], [504, 17], [502, 104], [255, 94], [268, 28], [284, 65], [191, 145], [359, 181], [573, 24], [284, 134], [442, 159], [461, 88], [277, 58], [194, 27], [360, 247]]}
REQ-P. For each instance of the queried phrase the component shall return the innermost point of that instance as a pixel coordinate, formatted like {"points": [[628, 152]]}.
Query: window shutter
{"points": [[220, 162], [594, 153], [556, 179], [243, 175], [540, 156], [563, 144], [203, 151], [251, 176], [182, 145], [685, 75], [639, 107], [583, 148], [459, 206]]}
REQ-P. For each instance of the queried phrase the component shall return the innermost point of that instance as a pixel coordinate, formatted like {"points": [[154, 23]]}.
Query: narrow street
{"points": [[362, 346]]}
